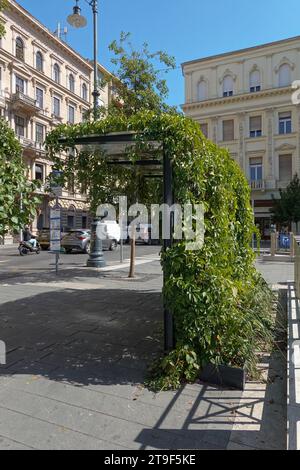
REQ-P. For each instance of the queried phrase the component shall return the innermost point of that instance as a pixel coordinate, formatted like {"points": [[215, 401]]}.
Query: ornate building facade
{"points": [[243, 101], [43, 82]]}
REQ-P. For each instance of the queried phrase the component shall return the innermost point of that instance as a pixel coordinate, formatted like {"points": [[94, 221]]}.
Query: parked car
{"points": [[80, 240], [43, 237], [143, 234]]}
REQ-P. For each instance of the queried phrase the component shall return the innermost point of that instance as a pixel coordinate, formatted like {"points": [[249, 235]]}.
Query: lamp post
{"points": [[78, 21], [96, 259]]}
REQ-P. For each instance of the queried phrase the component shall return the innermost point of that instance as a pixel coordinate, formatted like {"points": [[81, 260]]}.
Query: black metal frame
{"points": [[129, 138]]}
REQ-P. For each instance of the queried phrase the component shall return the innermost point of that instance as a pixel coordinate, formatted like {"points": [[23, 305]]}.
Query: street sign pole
{"points": [[55, 232]]}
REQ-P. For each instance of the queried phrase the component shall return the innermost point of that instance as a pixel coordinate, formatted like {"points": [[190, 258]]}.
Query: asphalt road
{"points": [[13, 265]]}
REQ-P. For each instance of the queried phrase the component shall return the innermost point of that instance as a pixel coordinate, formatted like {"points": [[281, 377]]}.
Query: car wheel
{"points": [[87, 249], [113, 245]]}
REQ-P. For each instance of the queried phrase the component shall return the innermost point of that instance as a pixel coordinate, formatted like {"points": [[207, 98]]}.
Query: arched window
{"points": [[284, 74], [255, 82], [19, 48], [39, 61], [202, 90], [56, 73], [84, 92], [71, 83], [228, 86]]}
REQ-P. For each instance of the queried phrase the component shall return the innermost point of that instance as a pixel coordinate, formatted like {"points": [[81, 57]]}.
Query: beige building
{"points": [[243, 102], [44, 82]]}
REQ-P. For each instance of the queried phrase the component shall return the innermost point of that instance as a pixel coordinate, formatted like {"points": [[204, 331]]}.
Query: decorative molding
{"points": [[226, 74], [19, 32], [284, 60], [285, 147], [236, 98]]}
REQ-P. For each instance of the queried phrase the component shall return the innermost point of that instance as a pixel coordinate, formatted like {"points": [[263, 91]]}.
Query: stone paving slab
{"points": [[77, 362]]}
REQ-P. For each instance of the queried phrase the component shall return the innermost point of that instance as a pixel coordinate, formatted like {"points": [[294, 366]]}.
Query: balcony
{"points": [[31, 144], [257, 185], [23, 102]]}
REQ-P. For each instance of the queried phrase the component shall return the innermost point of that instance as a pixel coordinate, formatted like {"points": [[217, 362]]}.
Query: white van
{"points": [[110, 234]]}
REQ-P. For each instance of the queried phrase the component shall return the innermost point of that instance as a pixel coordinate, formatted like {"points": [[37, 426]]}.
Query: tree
{"points": [[3, 5], [18, 202], [286, 210], [139, 85]]}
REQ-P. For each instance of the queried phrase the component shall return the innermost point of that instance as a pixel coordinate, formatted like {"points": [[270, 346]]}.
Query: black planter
{"points": [[225, 376]]}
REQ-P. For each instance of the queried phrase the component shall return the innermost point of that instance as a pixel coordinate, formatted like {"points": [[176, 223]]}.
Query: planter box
{"points": [[225, 376]]}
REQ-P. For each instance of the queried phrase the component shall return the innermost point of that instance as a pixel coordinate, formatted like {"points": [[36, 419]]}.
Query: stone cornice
{"points": [[235, 99]]}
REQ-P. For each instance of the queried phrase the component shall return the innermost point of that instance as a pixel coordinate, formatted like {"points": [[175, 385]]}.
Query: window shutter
{"points": [[228, 130], [255, 79], [255, 123], [285, 167]]}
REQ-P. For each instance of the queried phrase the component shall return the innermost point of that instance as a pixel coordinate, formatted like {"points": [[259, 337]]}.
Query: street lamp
{"points": [[78, 21], [96, 259]]}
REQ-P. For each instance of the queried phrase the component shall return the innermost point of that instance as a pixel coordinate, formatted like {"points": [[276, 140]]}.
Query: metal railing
{"points": [[20, 96], [296, 245], [257, 184]]}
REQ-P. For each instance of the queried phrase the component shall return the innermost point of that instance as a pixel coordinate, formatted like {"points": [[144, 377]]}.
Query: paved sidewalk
{"points": [[78, 347]]}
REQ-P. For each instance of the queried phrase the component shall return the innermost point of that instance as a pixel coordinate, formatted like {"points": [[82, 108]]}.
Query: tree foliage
{"points": [[13, 184], [286, 209], [221, 306], [3, 6], [139, 84]]}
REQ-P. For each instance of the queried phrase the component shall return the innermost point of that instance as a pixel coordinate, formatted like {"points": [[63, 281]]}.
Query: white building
{"points": [[243, 102]]}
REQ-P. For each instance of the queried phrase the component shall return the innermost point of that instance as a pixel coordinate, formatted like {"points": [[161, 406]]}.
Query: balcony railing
{"points": [[28, 143], [257, 185], [24, 101]]}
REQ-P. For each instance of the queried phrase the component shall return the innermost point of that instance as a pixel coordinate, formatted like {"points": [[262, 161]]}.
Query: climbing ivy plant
{"points": [[221, 306], [14, 184]]}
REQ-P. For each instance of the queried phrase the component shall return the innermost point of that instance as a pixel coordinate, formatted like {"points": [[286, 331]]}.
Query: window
{"points": [[71, 83], [256, 169], [20, 126], [39, 172], [202, 91], [255, 84], [285, 167], [56, 106], [56, 73], [204, 129], [228, 130], [39, 133], [19, 49], [284, 74], [71, 115], [20, 85], [285, 123], [39, 94], [84, 92], [39, 61], [228, 86], [84, 221], [255, 126]]}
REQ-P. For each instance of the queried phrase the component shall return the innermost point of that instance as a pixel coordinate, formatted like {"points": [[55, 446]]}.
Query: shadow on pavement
{"points": [[101, 338]]}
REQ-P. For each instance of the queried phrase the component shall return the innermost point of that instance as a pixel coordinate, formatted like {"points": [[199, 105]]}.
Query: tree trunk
{"points": [[132, 254]]}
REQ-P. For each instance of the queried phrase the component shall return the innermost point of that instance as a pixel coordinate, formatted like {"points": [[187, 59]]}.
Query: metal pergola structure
{"points": [[115, 146]]}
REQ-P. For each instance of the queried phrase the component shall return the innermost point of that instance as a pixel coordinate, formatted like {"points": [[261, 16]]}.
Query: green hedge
{"points": [[222, 307]]}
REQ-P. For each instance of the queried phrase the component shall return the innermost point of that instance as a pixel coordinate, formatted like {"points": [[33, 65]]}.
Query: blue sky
{"points": [[187, 29]]}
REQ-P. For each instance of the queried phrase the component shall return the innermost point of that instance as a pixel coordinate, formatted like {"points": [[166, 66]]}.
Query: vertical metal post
{"points": [[95, 93], [168, 199], [21, 210], [56, 254]]}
